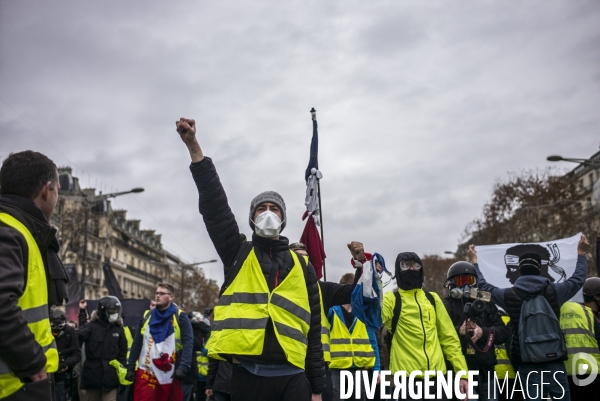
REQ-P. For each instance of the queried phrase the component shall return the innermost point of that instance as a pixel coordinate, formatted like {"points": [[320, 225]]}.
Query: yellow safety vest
{"points": [[325, 328], [129, 338], [244, 310], [202, 363], [576, 322], [34, 307], [174, 319], [347, 348], [503, 364]]}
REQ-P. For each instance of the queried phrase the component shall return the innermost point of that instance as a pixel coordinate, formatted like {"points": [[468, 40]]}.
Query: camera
{"points": [[474, 309]]}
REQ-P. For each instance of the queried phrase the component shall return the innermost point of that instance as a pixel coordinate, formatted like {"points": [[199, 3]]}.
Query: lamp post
{"points": [[89, 203], [183, 268], [556, 158]]}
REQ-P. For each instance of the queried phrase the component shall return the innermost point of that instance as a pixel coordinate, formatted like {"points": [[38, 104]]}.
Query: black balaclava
{"points": [[409, 279]]}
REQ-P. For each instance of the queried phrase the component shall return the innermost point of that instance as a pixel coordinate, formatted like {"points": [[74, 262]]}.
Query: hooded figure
{"points": [[411, 278]]}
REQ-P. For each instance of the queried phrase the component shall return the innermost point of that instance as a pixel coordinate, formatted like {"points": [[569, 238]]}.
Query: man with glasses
{"points": [[422, 332], [477, 334], [162, 349]]}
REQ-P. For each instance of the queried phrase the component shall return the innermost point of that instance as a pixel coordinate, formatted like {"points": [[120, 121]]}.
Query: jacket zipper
{"points": [[423, 327]]}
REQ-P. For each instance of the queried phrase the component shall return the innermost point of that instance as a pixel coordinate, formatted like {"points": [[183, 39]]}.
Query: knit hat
{"points": [[267, 196], [530, 263]]}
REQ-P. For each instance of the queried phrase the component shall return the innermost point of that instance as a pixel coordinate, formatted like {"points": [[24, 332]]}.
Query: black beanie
{"points": [[530, 264]]}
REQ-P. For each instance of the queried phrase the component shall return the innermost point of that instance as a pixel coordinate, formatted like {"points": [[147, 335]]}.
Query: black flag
{"points": [[314, 147]]}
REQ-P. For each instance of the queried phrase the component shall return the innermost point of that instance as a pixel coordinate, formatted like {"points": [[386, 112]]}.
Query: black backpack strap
{"points": [[397, 310], [430, 298], [240, 258]]}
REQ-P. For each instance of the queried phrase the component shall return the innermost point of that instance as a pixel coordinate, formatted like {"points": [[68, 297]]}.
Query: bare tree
{"points": [[534, 206]]}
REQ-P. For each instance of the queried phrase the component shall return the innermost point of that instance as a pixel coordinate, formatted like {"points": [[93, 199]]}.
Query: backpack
{"points": [[397, 309], [540, 336]]}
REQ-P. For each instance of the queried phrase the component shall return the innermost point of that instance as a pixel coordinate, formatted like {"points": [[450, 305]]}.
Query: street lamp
{"points": [[556, 158], [89, 203], [186, 266]]}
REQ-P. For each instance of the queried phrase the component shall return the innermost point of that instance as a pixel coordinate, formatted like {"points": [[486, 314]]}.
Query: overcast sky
{"points": [[422, 106]]}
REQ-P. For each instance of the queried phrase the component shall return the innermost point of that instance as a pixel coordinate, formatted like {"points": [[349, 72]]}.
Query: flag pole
{"points": [[321, 219]]}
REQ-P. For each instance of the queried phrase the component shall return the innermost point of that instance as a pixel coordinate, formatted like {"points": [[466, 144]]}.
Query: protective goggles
{"points": [[465, 279], [409, 264], [57, 325]]}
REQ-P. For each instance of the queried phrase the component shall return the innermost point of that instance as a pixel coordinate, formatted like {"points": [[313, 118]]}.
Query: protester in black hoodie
{"points": [[104, 341], [28, 195], [271, 373]]}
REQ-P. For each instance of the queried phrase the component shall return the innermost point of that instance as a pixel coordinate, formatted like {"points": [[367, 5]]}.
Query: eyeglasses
{"points": [[465, 279], [160, 293], [409, 264]]}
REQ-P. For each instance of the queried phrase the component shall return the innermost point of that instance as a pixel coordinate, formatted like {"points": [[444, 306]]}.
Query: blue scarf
{"points": [[160, 323]]}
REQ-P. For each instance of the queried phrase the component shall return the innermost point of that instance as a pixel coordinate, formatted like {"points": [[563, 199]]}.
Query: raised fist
{"points": [[357, 250], [186, 128], [584, 246]]}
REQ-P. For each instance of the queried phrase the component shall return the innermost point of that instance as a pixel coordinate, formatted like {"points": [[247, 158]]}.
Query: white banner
{"points": [[499, 264]]}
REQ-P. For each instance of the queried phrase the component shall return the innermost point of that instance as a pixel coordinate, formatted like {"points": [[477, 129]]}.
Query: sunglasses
{"points": [[409, 264], [465, 279]]}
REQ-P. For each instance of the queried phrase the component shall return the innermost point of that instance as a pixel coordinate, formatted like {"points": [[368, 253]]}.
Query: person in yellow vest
{"points": [[162, 348], [30, 272], [268, 320], [353, 348], [580, 329]]}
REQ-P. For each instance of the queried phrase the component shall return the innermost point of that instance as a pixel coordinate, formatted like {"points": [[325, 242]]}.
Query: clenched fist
{"points": [[186, 128], [357, 250]]}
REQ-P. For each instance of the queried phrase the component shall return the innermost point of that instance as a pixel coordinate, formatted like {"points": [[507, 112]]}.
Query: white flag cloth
{"points": [[499, 264], [312, 195]]}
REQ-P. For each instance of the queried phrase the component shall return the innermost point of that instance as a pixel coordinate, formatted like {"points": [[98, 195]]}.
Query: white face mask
{"points": [[113, 317], [267, 225]]}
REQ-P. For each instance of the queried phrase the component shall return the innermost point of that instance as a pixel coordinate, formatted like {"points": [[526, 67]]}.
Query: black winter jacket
{"points": [[18, 348], [489, 322], [103, 342], [273, 256], [67, 343]]}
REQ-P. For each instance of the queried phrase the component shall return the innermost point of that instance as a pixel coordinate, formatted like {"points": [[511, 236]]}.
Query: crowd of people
{"points": [[277, 332]]}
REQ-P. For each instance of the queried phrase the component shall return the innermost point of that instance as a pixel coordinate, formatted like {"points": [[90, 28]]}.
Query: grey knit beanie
{"points": [[267, 196]]}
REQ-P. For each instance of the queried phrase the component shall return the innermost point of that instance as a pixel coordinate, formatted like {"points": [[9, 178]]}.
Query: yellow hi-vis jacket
{"points": [[325, 331], [350, 348], [129, 338], [202, 361], [423, 336], [244, 309], [503, 364], [577, 324], [34, 306]]}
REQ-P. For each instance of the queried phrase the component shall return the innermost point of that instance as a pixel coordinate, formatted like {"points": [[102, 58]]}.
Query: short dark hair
{"points": [[347, 278], [25, 174], [168, 287]]}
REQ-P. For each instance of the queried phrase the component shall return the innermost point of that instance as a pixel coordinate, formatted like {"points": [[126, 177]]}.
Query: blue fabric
{"points": [[160, 323], [367, 309]]}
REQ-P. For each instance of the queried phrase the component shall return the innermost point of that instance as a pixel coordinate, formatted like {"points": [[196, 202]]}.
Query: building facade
{"points": [[100, 245]]}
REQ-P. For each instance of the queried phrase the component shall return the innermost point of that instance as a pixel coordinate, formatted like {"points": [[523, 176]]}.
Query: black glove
{"points": [[130, 375], [179, 374]]}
